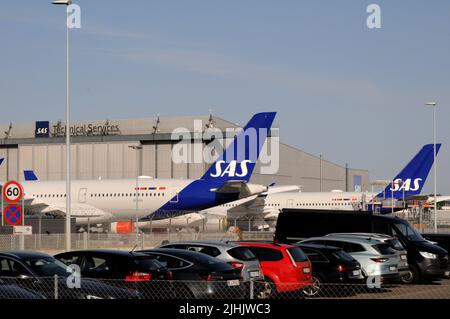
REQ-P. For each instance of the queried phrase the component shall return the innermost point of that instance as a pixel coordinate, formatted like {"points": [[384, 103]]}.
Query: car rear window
{"points": [[204, 259], [384, 249], [396, 244], [297, 254], [242, 253], [147, 263], [267, 254], [342, 255], [314, 256]]}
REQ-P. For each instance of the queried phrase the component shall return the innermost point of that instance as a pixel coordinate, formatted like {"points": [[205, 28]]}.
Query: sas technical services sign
{"points": [[42, 129]]}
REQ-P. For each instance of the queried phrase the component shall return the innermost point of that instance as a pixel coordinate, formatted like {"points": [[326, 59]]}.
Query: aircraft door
{"points": [[290, 203], [82, 195]]}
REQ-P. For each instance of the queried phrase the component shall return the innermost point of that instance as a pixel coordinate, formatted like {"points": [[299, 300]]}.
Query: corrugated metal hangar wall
{"points": [[137, 151]]}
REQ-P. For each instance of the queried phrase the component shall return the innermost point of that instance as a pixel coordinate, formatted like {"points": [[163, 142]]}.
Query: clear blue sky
{"points": [[353, 94]]}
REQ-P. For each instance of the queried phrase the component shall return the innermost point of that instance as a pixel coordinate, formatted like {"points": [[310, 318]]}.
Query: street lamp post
{"points": [[68, 166], [320, 172], [138, 174], [434, 104]]}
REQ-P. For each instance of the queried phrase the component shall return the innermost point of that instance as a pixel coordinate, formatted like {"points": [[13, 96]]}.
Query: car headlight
{"points": [[428, 255]]}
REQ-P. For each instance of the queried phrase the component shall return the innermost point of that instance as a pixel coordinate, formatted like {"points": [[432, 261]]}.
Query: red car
{"points": [[284, 266]]}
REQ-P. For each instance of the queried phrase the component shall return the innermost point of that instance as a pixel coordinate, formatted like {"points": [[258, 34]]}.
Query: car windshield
{"points": [[409, 232], [47, 266]]}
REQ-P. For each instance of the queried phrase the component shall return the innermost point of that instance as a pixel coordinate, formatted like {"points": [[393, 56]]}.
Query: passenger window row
{"points": [[103, 195], [314, 204]]}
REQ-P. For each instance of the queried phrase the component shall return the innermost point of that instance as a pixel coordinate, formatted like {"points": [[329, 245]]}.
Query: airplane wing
{"points": [[78, 210], [428, 198], [244, 189]]}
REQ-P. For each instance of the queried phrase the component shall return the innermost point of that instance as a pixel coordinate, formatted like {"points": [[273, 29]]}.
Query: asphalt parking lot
{"points": [[435, 290]]}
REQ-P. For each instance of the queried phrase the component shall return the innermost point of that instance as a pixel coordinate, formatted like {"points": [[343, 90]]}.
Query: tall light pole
{"points": [[434, 104], [68, 166], [320, 173], [138, 173]]}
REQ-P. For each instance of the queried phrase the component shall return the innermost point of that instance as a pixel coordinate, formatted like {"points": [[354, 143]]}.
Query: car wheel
{"points": [[314, 289], [271, 291], [412, 276]]}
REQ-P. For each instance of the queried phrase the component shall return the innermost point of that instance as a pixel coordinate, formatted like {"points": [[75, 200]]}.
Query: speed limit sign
{"points": [[12, 192]]}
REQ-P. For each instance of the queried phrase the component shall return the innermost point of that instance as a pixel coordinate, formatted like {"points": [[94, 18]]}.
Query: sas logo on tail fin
{"points": [[231, 169], [407, 185]]}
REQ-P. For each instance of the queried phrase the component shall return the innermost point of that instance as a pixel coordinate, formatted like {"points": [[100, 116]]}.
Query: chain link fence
{"points": [[69, 288], [56, 242]]}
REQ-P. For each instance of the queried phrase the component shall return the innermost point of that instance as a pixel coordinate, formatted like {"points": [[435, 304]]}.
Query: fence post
{"points": [[252, 289], [55, 283], [85, 240]]}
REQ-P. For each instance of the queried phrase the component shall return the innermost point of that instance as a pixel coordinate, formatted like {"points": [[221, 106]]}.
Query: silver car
{"points": [[237, 256], [376, 259], [403, 266]]}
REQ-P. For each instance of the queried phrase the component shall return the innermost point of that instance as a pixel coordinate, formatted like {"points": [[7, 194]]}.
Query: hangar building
{"points": [[115, 149]]}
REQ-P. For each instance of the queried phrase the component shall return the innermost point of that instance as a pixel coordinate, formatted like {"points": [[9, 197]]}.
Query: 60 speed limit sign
{"points": [[12, 191]]}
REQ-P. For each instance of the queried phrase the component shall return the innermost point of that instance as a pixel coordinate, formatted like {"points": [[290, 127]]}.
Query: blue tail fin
{"points": [[411, 179], [30, 176], [239, 159]]}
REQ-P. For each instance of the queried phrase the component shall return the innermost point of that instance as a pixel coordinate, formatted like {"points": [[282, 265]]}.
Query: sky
{"points": [[353, 94]]}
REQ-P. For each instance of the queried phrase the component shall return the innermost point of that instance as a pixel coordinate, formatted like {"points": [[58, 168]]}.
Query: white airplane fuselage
{"points": [[115, 197], [273, 203]]}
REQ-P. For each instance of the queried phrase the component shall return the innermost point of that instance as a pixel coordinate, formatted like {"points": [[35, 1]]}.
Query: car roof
{"points": [[319, 247], [181, 253], [23, 254], [265, 244], [216, 243], [123, 253], [357, 240], [362, 235]]}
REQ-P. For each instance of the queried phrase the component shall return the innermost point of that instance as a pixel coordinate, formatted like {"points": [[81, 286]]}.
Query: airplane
{"points": [[104, 201], [265, 207], [210, 220]]}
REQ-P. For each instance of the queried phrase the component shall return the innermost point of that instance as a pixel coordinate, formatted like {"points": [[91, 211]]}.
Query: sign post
{"points": [[13, 213]]}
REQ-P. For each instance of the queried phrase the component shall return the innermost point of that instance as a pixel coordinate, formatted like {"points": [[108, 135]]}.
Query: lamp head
{"points": [[62, 2]]}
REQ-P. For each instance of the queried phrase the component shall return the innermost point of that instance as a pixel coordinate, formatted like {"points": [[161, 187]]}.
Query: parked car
{"points": [[197, 275], [426, 260], [233, 254], [376, 259], [330, 265], [394, 243], [16, 292], [285, 267], [133, 270], [36, 272]]}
